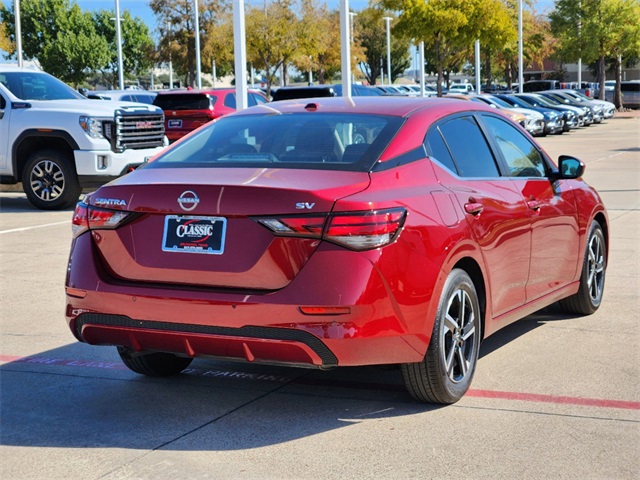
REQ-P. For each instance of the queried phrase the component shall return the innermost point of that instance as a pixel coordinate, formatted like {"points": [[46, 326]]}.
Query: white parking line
{"points": [[33, 227]]}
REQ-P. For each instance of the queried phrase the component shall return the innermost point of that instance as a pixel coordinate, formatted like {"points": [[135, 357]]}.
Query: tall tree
{"points": [[218, 44], [450, 27], [176, 21], [137, 44], [55, 29], [537, 39], [606, 28], [5, 42], [370, 34], [319, 51], [274, 33]]}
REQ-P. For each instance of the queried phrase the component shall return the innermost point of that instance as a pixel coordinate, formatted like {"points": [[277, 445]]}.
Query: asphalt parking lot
{"points": [[554, 397]]}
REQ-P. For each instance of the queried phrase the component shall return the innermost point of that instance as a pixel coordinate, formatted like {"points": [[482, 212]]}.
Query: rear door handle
{"points": [[474, 208], [534, 205]]}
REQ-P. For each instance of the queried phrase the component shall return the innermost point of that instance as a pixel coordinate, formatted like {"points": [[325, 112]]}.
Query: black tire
{"points": [[445, 373], [157, 364], [50, 181], [594, 267]]}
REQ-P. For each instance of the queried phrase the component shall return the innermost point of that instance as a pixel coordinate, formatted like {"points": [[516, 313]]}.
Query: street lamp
{"points": [[520, 63], [345, 49], [387, 20], [16, 9], [119, 41], [198, 79], [351, 15], [170, 60]]}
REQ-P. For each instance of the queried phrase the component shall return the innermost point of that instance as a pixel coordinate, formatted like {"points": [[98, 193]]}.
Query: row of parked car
{"points": [[541, 113]]}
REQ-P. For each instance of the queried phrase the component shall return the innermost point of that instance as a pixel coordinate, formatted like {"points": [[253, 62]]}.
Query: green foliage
{"points": [[608, 29], [273, 37], [449, 28], [61, 37], [177, 29], [5, 42], [137, 45], [320, 47], [371, 35]]}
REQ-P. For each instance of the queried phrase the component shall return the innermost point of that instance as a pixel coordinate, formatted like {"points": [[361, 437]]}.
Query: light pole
{"points": [[198, 79], [170, 61], [478, 66], [345, 49], [119, 41], [388, 20], [520, 63], [351, 15], [240, 54], [16, 9], [422, 90]]}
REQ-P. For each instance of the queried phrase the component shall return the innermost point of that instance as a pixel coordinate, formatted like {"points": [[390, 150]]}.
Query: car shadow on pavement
{"points": [[78, 396], [521, 327]]}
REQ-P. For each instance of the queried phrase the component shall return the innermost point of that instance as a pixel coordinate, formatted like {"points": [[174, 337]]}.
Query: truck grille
{"points": [[135, 130]]}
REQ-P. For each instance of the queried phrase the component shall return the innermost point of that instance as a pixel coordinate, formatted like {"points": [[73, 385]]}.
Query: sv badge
{"points": [[304, 205]]}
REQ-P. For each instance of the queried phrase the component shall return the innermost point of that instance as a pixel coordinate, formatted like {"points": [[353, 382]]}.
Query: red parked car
{"points": [[186, 110], [272, 235]]}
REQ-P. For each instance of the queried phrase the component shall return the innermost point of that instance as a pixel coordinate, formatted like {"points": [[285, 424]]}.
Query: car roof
{"points": [[394, 106], [202, 91]]}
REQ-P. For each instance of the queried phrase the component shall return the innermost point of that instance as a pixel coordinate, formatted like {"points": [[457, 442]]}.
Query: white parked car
{"points": [[465, 88]]}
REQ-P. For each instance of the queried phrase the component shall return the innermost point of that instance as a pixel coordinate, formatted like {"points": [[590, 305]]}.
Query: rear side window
{"points": [[437, 149], [230, 100], [3, 102], [469, 148], [184, 101], [328, 141]]}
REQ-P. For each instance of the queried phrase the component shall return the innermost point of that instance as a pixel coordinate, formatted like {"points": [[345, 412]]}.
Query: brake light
{"points": [[355, 230], [86, 218], [308, 226], [80, 220], [365, 230]]}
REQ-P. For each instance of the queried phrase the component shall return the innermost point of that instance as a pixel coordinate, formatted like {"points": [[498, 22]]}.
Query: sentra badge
{"points": [[110, 202], [188, 200]]}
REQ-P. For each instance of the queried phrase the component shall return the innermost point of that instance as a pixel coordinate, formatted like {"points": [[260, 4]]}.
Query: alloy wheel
{"points": [[459, 336], [596, 268], [47, 180]]}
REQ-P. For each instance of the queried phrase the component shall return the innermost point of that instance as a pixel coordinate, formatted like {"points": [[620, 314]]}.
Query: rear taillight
{"points": [[80, 220], [354, 230], [86, 218], [307, 226], [365, 230]]}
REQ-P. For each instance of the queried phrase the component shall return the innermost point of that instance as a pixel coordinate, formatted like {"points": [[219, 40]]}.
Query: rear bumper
{"points": [[382, 323]]}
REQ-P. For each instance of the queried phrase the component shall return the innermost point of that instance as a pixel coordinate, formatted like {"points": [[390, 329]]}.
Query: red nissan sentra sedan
{"points": [[333, 232]]}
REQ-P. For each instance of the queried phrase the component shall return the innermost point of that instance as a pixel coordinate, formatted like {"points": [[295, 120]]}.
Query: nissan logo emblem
{"points": [[188, 200]]}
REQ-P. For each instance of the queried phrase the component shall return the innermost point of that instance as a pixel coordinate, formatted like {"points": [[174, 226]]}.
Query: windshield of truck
{"points": [[37, 86]]}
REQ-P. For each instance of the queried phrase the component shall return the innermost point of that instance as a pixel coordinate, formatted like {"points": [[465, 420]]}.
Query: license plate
{"points": [[186, 234], [175, 124]]}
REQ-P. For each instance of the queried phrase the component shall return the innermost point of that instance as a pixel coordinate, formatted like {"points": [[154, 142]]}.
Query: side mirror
{"points": [[570, 167]]}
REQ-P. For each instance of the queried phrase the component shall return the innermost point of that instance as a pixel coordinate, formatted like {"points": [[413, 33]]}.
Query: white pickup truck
{"points": [[56, 142]]}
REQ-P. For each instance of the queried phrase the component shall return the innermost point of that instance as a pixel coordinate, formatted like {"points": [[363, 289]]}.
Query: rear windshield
{"points": [[184, 101], [325, 141]]}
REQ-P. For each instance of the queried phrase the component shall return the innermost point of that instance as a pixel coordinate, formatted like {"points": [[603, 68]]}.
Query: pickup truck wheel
{"points": [[50, 181]]}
